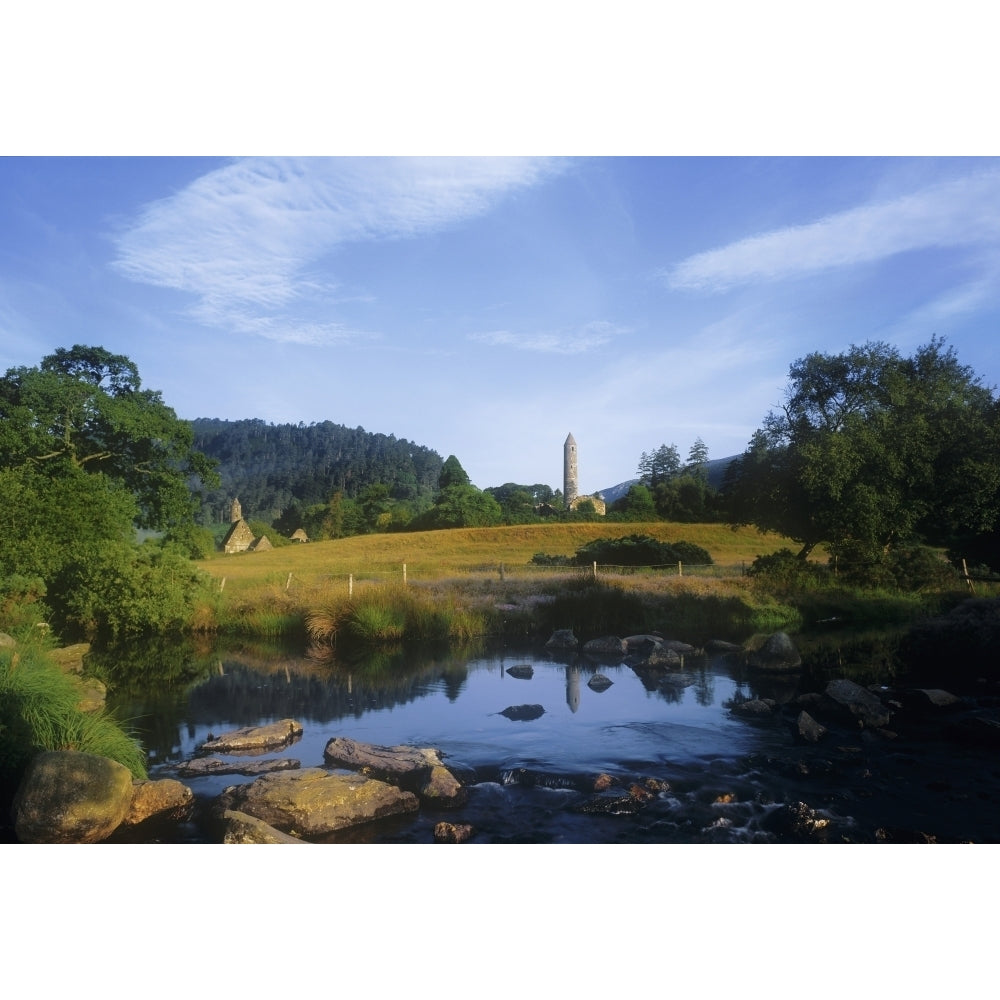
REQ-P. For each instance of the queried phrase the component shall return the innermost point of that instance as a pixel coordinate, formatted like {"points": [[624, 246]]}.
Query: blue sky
{"points": [[486, 307]]}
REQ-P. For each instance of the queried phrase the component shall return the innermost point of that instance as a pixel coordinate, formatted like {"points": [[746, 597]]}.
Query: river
{"points": [[698, 772]]}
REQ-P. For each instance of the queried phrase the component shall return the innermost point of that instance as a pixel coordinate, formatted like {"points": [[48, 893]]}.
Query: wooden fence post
{"points": [[680, 568], [350, 585], [288, 582], [404, 574], [595, 569], [222, 585]]}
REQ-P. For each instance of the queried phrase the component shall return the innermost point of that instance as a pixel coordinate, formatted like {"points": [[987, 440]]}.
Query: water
{"points": [[698, 772]]}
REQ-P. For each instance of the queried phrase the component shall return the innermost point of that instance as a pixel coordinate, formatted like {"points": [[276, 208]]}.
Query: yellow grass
{"points": [[436, 555]]}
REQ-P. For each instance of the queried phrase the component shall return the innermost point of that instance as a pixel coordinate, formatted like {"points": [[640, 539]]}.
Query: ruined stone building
{"points": [[240, 537], [571, 481]]}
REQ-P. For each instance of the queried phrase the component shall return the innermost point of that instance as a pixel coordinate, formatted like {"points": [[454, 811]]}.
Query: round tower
{"points": [[235, 511], [571, 484]]}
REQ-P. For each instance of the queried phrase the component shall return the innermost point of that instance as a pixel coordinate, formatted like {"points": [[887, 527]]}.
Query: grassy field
{"points": [[435, 555]]}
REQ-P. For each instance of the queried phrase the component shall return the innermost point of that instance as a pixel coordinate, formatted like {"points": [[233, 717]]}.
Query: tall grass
{"points": [[38, 711]]}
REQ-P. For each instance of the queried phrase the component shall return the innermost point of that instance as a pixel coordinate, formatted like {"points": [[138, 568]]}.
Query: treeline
{"points": [[272, 467]]}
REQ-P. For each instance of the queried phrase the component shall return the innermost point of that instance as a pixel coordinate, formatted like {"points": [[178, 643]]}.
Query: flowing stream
{"points": [[698, 772]]}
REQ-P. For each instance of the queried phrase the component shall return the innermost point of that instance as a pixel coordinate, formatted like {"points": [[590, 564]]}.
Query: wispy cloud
{"points": [[245, 239], [579, 341], [957, 213]]}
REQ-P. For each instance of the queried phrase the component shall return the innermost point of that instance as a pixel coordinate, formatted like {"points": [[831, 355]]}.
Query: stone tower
{"points": [[235, 511], [571, 485]]}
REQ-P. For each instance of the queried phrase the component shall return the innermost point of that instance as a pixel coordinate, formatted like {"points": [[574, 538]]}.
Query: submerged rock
{"points": [[255, 739], [523, 713], [808, 728], [201, 766], [522, 671], [599, 683], [452, 833], [314, 802], [562, 638], [69, 797], [864, 706], [606, 645], [777, 653]]}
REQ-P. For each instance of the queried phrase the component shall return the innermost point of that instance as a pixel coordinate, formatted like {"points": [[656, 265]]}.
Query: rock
{"points": [[753, 707], [777, 653], [938, 698], [7, 641], [607, 645], [864, 706], [255, 739], [808, 728], [313, 802], [69, 797], [92, 694], [241, 828], [164, 798], [798, 821], [664, 658], [562, 638], [201, 766], [612, 805], [603, 782], [523, 713], [599, 683], [720, 646], [69, 659], [419, 770], [452, 833], [522, 671]]}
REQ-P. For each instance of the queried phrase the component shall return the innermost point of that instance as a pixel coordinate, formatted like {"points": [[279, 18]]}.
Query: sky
{"points": [[486, 307]]}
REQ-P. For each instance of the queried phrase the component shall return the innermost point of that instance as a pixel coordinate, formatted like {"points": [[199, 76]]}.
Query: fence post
{"points": [[968, 579], [680, 568], [404, 574], [222, 585], [350, 584], [595, 569], [288, 582]]}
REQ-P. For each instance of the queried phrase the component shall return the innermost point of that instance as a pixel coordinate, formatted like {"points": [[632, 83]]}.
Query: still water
{"points": [[718, 778]]}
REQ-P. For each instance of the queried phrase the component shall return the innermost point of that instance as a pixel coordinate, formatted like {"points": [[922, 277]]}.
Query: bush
{"points": [[541, 559], [784, 572], [640, 550]]}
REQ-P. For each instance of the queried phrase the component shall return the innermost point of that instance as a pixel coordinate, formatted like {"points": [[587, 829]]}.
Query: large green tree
{"points": [[872, 450], [84, 409]]}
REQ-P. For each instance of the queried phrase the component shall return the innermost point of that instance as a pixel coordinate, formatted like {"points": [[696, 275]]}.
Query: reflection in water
{"points": [[573, 688]]}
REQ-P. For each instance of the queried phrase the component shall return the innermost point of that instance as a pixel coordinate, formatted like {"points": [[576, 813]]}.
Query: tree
{"points": [[460, 506], [85, 410], [452, 474], [697, 460], [659, 466], [873, 450], [636, 505]]}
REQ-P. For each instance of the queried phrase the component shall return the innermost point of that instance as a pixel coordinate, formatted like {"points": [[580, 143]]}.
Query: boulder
{"points": [[164, 798], [523, 713], [777, 653], [241, 828], [721, 647], [255, 739], [863, 706], [7, 641], [452, 833], [313, 802], [599, 683], [808, 728], [753, 707], [522, 671], [606, 645], [562, 638], [201, 766], [69, 659], [69, 797], [417, 770], [93, 693]]}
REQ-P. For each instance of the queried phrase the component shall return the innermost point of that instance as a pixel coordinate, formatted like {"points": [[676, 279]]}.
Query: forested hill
{"points": [[270, 465]]}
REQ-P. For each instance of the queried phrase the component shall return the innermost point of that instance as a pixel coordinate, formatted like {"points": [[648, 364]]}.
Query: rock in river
{"points": [[777, 653], [69, 797], [314, 802], [522, 671], [523, 713], [255, 739]]}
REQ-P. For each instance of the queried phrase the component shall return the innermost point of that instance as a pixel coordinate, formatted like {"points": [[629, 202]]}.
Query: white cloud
{"points": [[243, 237], [963, 212], [587, 338]]}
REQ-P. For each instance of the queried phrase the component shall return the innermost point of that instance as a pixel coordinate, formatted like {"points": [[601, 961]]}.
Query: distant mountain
{"points": [[715, 467]]}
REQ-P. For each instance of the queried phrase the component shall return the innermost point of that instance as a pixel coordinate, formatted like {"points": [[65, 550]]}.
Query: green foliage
{"points": [[871, 451], [636, 505], [124, 590], [38, 711], [541, 559], [784, 573], [460, 507], [452, 474], [23, 609], [85, 409], [640, 550], [904, 568]]}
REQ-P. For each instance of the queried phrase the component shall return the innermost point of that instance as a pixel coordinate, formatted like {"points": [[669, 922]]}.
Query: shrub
{"points": [[784, 572], [38, 711], [640, 550]]}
